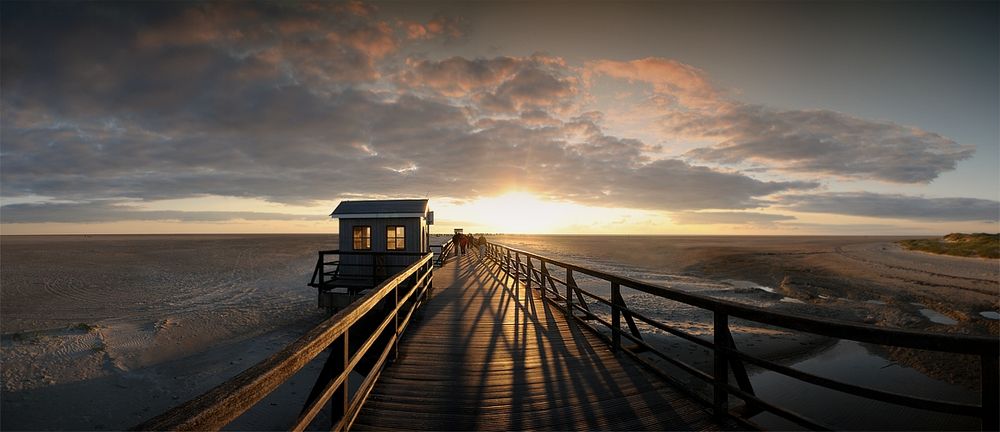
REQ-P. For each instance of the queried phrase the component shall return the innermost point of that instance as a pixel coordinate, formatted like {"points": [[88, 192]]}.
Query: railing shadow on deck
{"points": [[512, 342], [566, 362], [521, 266]]}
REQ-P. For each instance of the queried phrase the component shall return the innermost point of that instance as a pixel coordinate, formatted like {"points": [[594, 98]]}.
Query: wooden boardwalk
{"points": [[483, 357]]}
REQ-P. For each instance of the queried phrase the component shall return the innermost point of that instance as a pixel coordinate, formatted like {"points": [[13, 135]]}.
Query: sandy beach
{"points": [[102, 332]]}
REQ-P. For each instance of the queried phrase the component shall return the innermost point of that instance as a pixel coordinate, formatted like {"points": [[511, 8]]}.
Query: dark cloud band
{"points": [[896, 206], [96, 212]]}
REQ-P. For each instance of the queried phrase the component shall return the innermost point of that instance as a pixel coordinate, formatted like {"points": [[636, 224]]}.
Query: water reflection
{"points": [[850, 362]]}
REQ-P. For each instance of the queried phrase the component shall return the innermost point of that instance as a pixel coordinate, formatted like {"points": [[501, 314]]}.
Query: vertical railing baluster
{"points": [[517, 275], [322, 269], [616, 317], [394, 355], [544, 277], [430, 282], [570, 283], [339, 401], [517, 266], [506, 266], [531, 274], [721, 380]]}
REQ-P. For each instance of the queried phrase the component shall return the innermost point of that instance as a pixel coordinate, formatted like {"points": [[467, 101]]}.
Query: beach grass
{"points": [[980, 245], [84, 327]]}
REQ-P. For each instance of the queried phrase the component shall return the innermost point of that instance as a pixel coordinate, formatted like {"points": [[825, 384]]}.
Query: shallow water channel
{"points": [[850, 362]]}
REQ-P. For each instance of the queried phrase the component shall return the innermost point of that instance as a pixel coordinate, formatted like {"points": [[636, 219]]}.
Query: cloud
{"points": [[356, 143], [737, 218], [688, 107], [440, 25], [675, 84], [895, 206], [194, 61], [496, 85], [529, 89], [328, 42], [822, 141], [457, 76], [675, 185], [103, 211]]}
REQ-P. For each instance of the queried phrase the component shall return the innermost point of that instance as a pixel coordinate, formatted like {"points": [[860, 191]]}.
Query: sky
{"points": [[779, 118]]}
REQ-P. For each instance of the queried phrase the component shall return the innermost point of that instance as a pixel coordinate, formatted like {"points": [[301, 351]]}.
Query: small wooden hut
{"points": [[378, 238], [384, 226]]}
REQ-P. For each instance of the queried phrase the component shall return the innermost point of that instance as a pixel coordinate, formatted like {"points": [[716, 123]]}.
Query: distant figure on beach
{"points": [[481, 242], [456, 242]]}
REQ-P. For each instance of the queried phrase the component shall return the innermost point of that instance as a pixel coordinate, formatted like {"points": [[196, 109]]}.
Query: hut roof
{"points": [[381, 208]]}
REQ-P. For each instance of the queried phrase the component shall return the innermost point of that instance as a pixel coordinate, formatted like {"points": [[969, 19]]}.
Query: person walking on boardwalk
{"points": [[456, 242], [464, 240], [481, 242]]}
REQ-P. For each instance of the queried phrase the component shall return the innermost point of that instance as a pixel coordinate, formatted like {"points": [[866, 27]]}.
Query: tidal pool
{"points": [[850, 362]]}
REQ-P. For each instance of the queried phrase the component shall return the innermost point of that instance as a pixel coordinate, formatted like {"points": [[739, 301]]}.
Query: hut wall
{"points": [[415, 242]]}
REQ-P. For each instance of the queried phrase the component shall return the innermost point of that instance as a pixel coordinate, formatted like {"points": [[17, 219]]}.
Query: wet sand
{"points": [[102, 332]]}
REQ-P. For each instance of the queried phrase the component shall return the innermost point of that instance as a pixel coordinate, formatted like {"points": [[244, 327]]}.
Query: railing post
{"points": [[616, 317], [570, 283], [517, 275], [531, 274], [720, 394], [395, 341], [543, 277], [429, 285], [322, 269], [517, 266], [506, 267], [990, 383], [340, 354]]}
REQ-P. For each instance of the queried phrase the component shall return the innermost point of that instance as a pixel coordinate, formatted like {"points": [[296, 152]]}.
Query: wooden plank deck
{"points": [[482, 357]]}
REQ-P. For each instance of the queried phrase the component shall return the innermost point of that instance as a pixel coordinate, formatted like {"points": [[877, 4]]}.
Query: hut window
{"points": [[362, 238], [395, 238]]}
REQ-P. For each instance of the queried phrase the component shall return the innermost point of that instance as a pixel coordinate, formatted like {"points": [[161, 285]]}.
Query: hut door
{"points": [[378, 268]]}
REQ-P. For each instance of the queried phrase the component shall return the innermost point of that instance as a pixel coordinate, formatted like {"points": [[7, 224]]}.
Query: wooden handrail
{"points": [[319, 280], [219, 406], [443, 253], [727, 355]]}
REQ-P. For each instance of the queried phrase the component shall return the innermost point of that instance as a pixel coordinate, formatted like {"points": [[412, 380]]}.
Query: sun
{"points": [[523, 212], [519, 212]]}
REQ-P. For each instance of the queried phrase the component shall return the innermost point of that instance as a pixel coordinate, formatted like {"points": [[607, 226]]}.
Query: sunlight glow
{"points": [[521, 212], [525, 213]]}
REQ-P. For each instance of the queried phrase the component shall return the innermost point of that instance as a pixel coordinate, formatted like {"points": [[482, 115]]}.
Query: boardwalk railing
{"points": [[364, 271], [366, 331], [543, 273], [442, 252]]}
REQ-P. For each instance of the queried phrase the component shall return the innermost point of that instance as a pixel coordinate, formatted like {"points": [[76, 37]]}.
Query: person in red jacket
{"points": [[464, 240]]}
